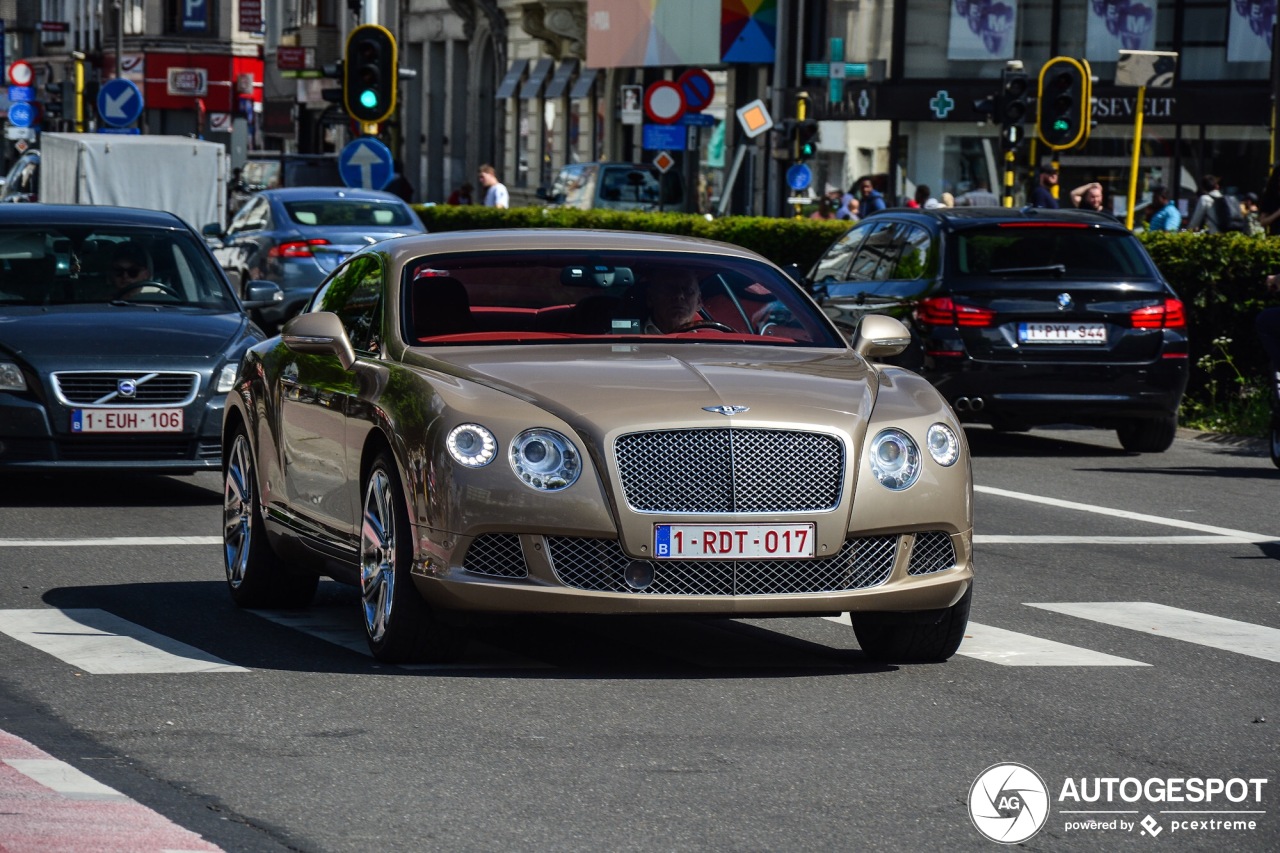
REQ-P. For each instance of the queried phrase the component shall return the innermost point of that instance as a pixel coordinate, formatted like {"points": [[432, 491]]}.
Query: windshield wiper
{"points": [[1056, 269]]}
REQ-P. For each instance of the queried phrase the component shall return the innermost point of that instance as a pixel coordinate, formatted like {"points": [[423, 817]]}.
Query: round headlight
{"points": [[944, 447], [895, 459], [545, 460], [472, 445]]}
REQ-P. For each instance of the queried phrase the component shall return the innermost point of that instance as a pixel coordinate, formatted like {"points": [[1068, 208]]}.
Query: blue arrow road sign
{"points": [[799, 177], [21, 114], [365, 164], [119, 102]]}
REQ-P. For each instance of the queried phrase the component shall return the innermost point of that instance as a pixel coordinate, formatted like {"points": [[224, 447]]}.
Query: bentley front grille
{"points": [[599, 564], [933, 552], [125, 388], [497, 555], [730, 471]]}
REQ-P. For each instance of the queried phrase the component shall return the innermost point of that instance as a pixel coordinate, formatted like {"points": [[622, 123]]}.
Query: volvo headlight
{"points": [[944, 447], [226, 379], [11, 378], [895, 459], [472, 445], [545, 460]]}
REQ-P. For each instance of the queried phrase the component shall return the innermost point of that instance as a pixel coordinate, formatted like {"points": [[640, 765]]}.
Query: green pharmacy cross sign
{"points": [[836, 71]]}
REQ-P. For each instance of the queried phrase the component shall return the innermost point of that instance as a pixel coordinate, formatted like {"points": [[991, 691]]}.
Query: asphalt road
{"points": [[1125, 627]]}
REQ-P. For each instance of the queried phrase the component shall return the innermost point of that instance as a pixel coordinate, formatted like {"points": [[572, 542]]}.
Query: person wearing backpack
{"points": [[1206, 214]]}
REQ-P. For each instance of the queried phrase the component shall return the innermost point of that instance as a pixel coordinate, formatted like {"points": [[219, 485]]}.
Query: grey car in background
{"points": [[295, 236]]}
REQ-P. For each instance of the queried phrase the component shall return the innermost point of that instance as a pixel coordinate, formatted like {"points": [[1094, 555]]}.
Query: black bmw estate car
{"points": [[1021, 317]]}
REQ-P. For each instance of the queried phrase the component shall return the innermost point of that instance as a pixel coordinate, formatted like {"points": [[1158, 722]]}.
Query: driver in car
{"points": [[674, 300], [130, 270]]}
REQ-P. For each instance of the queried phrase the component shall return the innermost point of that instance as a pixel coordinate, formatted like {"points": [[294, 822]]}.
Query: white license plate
{"points": [[126, 420], [732, 541], [1062, 333]]}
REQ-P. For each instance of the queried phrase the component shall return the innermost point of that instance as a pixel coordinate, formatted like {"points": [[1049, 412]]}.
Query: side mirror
{"points": [[213, 229], [262, 294], [879, 336], [541, 192], [794, 272], [319, 333]]}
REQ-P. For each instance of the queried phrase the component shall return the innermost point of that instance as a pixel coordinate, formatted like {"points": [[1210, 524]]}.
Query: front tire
{"points": [[1148, 435], [256, 577], [911, 642], [399, 625]]}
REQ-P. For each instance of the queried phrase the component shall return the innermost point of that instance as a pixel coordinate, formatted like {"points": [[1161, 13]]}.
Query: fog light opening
{"points": [[638, 574]]}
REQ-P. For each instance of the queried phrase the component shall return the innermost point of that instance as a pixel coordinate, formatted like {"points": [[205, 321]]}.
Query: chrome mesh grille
{"points": [[730, 470], [101, 388], [598, 565], [497, 555], [933, 552]]}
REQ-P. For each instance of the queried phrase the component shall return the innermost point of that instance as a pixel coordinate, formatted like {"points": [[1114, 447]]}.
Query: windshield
{"points": [[68, 264], [348, 212], [639, 187], [1067, 251], [561, 297]]}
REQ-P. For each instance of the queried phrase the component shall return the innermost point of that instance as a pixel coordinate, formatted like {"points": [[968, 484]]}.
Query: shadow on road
{"points": [[109, 489], [201, 614]]}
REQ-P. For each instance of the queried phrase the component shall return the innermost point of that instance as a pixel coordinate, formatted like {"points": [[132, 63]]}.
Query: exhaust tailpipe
{"points": [[961, 404], [976, 404]]}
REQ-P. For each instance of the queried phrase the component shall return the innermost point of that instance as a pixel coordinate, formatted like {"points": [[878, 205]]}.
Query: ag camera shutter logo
{"points": [[1008, 803]]}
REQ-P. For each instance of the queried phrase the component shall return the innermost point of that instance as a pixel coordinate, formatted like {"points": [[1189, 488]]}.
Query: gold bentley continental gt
{"points": [[561, 421]]}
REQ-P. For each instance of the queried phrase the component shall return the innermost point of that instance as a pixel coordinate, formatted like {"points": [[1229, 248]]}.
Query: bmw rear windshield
{"points": [[1020, 250]]}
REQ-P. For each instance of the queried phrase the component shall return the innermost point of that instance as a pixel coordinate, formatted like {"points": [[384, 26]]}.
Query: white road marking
{"points": [[1230, 635], [1135, 516], [102, 643], [1009, 648], [64, 779], [110, 541], [344, 629]]}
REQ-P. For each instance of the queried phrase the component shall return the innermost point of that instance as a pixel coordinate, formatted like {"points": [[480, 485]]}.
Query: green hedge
{"points": [[1220, 279], [1218, 276], [783, 241]]}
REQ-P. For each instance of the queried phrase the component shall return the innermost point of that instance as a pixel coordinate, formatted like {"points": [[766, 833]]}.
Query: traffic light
{"points": [[54, 99], [1015, 97], [334, 94], [806, 139], [369, 72], [1066, 92]]}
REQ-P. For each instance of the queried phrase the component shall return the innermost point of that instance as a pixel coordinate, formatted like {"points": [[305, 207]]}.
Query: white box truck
{"points": [[180, 174]]}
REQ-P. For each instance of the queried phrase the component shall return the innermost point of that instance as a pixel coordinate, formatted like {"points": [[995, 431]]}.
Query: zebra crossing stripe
{"points": [[1009, 648], [102, 643], [1159, 620]]}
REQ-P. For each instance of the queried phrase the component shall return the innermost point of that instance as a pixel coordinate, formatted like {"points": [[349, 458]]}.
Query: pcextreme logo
{"points": [[1010, 802]]}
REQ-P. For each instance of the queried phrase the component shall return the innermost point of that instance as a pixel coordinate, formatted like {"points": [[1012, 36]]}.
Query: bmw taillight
{"points": [[945, 311], [1168, 315], [296, 248]]}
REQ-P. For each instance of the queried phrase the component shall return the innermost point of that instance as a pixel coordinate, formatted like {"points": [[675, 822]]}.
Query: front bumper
{"points": [[909, 571], [30, 441]]}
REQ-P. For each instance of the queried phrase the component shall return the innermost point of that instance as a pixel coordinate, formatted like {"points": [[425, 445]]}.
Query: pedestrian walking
{"points": [[496, 194], [980, 196], [1205, 216], [1163, 213], [1042, 195]]}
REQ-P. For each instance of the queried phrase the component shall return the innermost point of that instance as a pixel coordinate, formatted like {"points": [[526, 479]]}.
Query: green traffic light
{"points": [[1061, 124], [369, 99]]}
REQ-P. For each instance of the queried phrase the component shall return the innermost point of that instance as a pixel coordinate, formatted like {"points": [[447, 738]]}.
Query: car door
{"points": [[243, 253], [316, 396], [846, 279]]}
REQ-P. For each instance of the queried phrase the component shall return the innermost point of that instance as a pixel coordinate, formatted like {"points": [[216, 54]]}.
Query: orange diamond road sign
{"points": [[664, 161]]}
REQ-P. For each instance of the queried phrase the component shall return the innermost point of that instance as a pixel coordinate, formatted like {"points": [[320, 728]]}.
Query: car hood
{"points": [[119, 333], [615, 387]]}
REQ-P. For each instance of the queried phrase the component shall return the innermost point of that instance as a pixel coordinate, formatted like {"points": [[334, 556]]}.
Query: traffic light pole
{"points": [[1137, 150], [1010, 168], [802, 103]]}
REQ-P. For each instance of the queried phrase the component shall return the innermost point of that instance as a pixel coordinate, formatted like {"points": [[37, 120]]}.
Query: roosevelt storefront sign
{"points": [[1240, 104], [188, 82]]}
